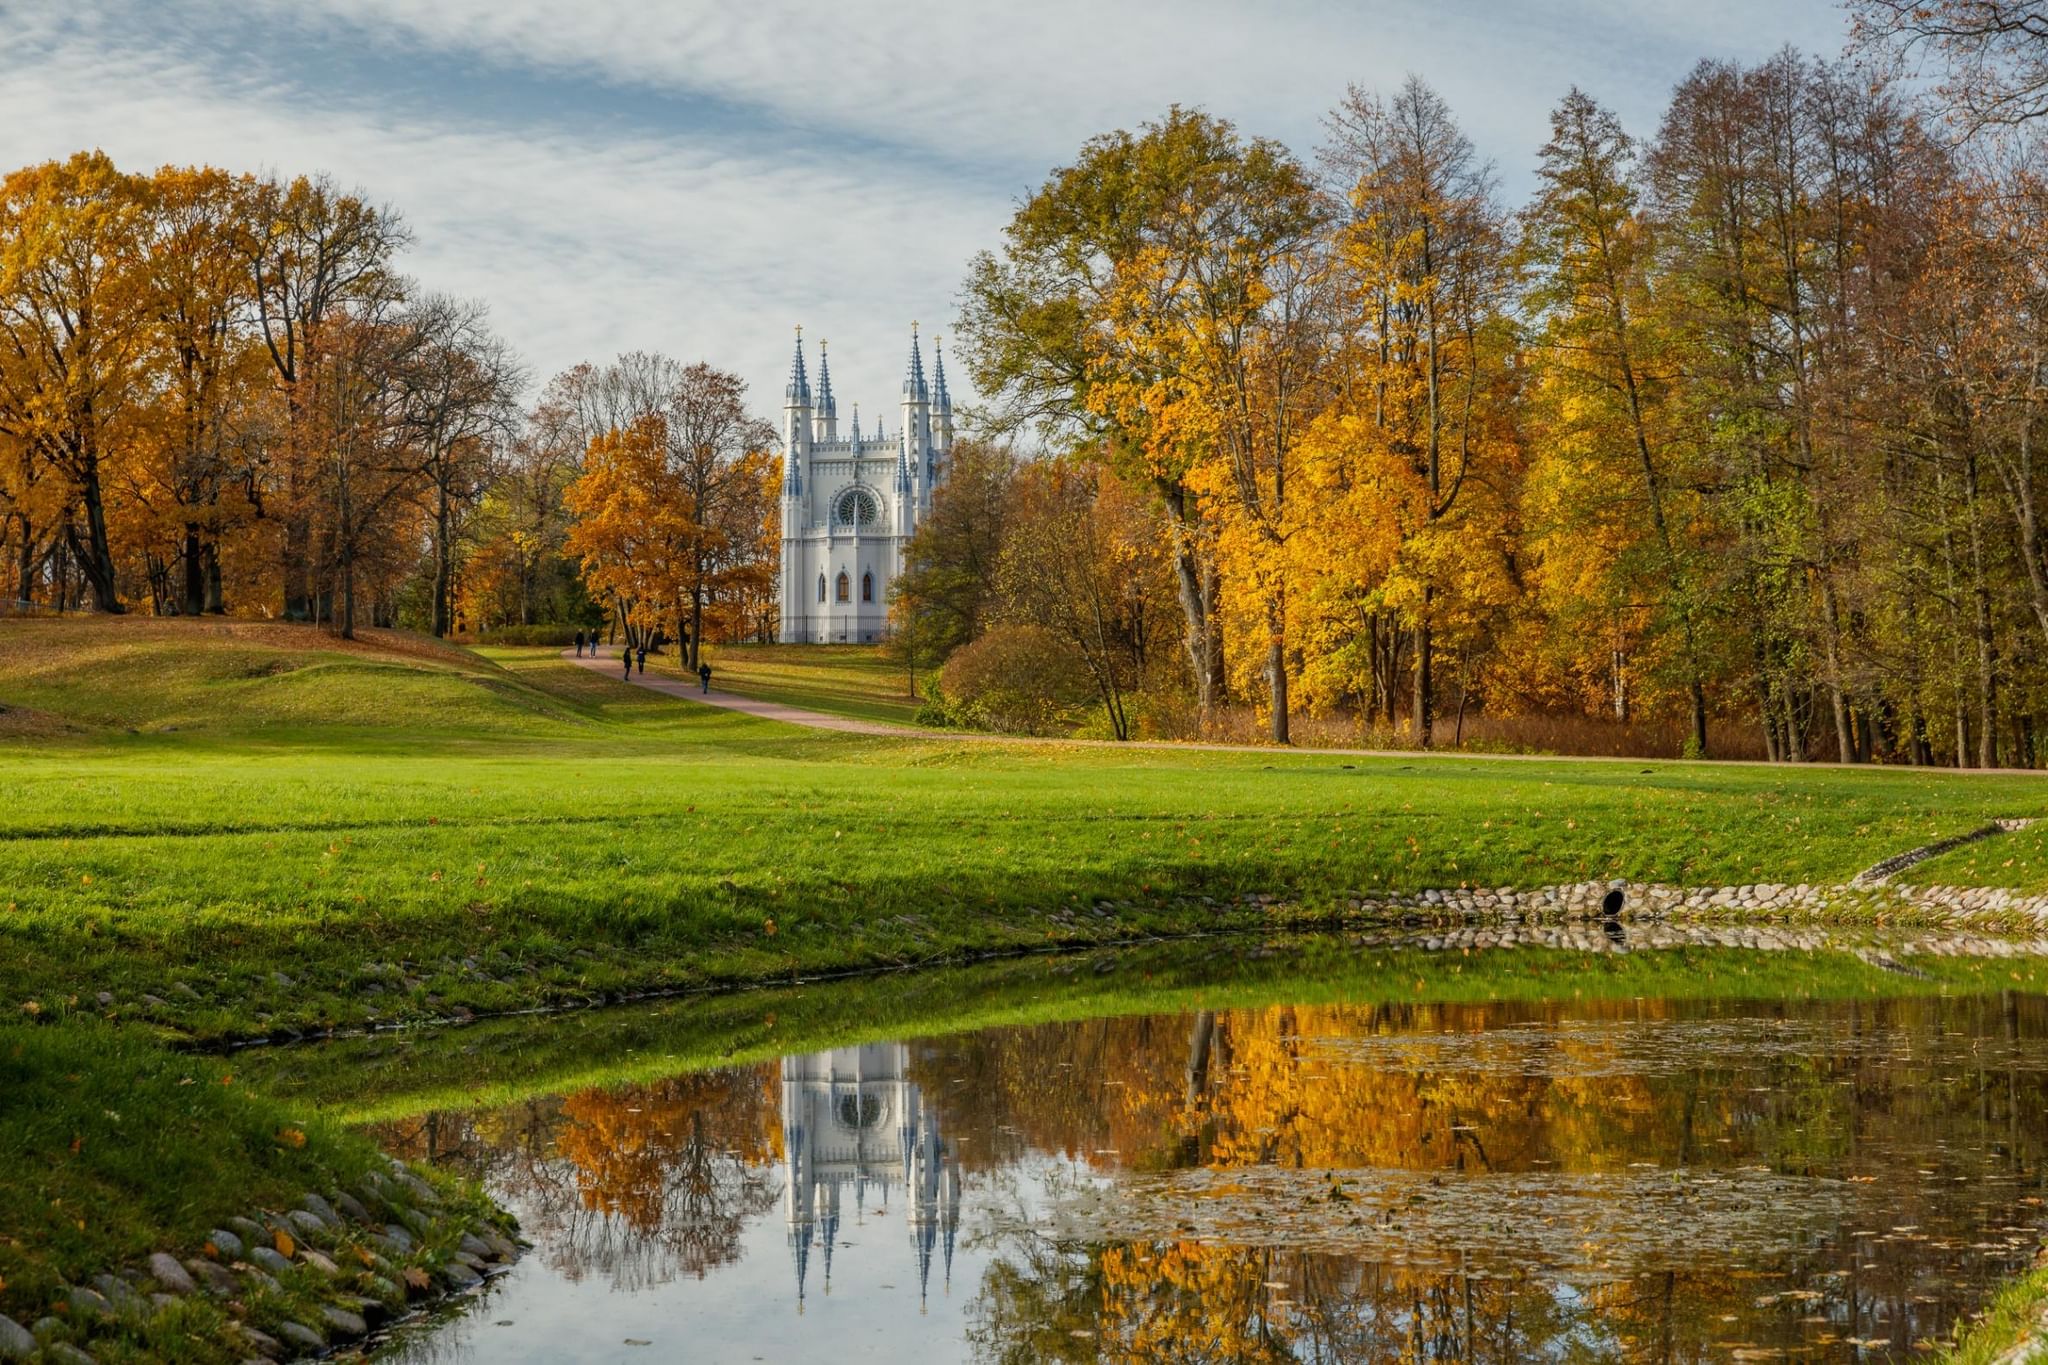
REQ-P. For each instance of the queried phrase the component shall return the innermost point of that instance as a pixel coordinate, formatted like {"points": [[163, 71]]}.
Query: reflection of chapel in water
{"points": [[853, 1127]]}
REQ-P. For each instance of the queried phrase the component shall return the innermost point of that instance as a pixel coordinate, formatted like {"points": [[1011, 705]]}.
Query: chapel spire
{"points": [[828, 407], [914, 390], [940, 397], [798, 392]]}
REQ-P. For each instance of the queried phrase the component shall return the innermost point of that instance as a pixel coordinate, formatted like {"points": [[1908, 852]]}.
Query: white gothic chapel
{"points": [[850, 503]]}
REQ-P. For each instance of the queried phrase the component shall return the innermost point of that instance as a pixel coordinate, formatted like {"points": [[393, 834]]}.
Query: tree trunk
{"points": [[444, 563], [216, 600], [95, 554], [696, 640], [1425, 686], [1276, 667], [1980, 593], [192, 594], [348, 595], [1192, 581]]}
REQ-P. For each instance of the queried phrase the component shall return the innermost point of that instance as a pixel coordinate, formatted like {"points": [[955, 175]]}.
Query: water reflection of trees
{"points": [[635, 1184], [1927, 1099], [1936, 1102]]}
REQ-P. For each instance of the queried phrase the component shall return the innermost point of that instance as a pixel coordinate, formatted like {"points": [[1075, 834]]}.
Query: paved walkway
{"points": [[820, 720], [608, 663]]}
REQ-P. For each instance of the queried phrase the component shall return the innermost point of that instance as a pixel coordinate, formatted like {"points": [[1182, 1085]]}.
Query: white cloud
{"points": [[989, 80], [857, 155], [583, 246]]}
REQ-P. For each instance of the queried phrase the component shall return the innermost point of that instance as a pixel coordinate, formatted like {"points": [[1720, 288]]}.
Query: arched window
{"points": [[821, 587], [867, 587], [843, 586]]}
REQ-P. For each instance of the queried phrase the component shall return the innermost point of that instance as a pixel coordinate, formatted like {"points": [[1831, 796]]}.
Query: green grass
{"points": [[117, 1148], [2019, 1308], [2018, 860], [860, 681], [514, 829]]}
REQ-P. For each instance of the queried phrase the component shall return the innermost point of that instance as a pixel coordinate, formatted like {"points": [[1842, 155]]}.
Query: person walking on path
{"points": [[704, 676], [627, 654], [579, 644], [643, 661]]}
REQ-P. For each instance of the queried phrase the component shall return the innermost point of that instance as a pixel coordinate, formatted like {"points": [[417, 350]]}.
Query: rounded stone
{"points": [[301, 1336], [270, 1259], [227, 1244], [305, 1226], [88, 1303], [343, 1322], [16, 1341], [456, 1275], [216, 1276], [64, 1353], [165, 1270]]}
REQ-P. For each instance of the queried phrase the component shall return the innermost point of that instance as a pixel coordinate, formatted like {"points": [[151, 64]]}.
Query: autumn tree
{"points": [[1425, 274], [208, 439], [942, 598], [318, 257], [1607, 378], [1183, 223], [74, 338], [1082, 560], [676, 512]]}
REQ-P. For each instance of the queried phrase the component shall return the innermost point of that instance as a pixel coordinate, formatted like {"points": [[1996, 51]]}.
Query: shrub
{"points": [[1016, 679], [934, 715]]}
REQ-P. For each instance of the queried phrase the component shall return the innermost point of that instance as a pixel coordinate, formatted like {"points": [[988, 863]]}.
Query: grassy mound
{"points": [[94, 675]]}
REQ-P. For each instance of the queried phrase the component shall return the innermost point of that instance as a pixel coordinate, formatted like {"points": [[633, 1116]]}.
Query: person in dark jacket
{"points": [[643, 661], [704, 676], [626, 653], [579, 644]]}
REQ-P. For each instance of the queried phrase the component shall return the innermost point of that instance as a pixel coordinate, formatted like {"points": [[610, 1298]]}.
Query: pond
{"points": [[1659, 1178]]}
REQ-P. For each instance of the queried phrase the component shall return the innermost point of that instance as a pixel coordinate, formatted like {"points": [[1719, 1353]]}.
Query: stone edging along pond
{"points": [[284, 1285]]}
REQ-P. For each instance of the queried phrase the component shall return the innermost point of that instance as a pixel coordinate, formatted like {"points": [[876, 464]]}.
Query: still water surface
{"points": [[1646, 1180]]}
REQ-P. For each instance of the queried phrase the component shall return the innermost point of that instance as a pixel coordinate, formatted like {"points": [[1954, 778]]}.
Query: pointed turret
{"points": [[914, 390], [913, 449], [798, 392], [827, 417], [856, 424], [942, 426], [796, 426]]}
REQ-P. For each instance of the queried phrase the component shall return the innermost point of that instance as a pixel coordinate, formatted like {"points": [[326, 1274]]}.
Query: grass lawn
{"points": [[842, 680], [117, 1147], [258, 828]]}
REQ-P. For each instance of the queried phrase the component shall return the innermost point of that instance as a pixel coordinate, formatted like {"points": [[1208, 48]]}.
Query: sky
{"points": [[699, 178]]}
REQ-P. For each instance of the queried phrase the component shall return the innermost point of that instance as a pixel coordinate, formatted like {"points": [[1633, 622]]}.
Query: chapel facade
{"points": [[850, 503]]}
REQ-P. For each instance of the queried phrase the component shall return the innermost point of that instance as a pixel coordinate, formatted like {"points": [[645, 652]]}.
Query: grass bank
{"points": [[494, 1062], [230, 830], [860, 681]]}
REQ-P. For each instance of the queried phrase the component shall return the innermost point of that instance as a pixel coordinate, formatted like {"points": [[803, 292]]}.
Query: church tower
{"points": [[851, 504]]}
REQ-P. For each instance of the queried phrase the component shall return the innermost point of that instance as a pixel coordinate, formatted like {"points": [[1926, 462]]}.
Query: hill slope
{"points": [[157, 675]]}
